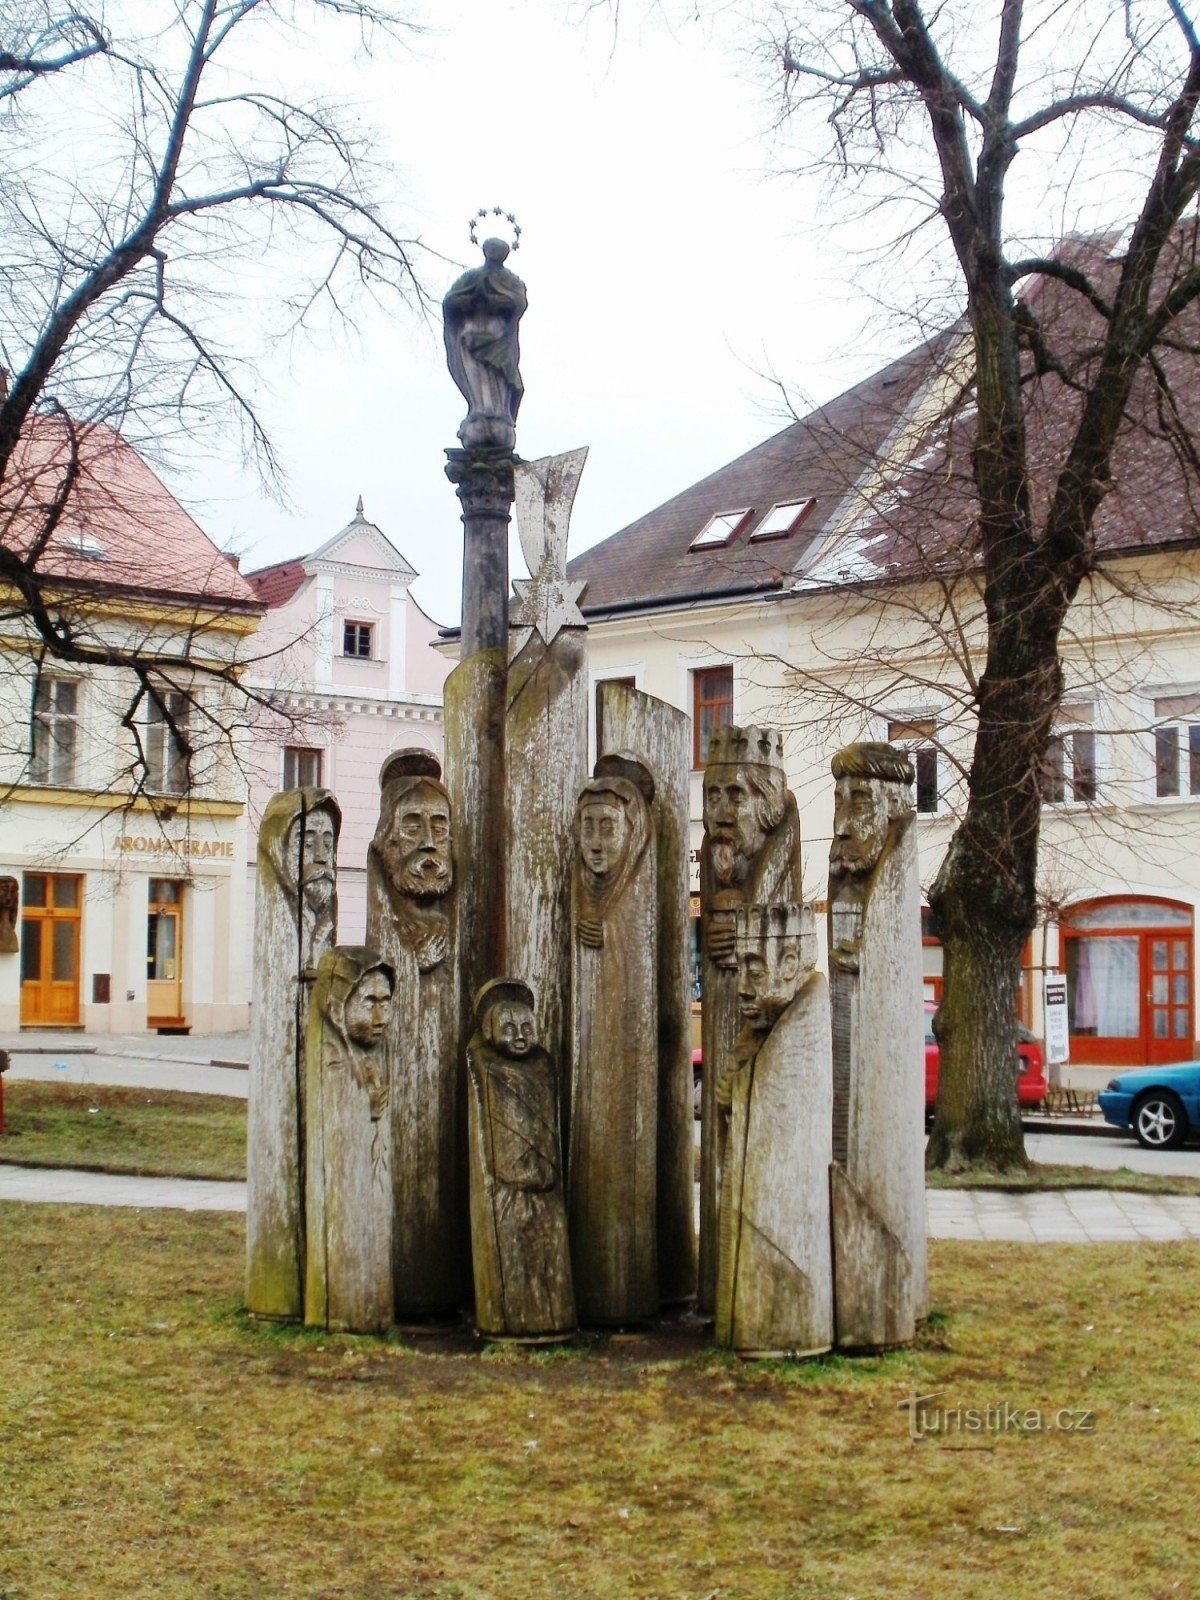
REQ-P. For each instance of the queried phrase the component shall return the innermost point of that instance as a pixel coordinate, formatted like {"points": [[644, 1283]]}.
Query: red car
{"points": [[1031, 1070]]}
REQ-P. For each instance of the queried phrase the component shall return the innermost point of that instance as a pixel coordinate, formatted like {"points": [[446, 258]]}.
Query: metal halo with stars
{"points": [[496, 211]]}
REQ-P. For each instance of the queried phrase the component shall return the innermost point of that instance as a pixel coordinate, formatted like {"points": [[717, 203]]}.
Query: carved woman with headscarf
{"points": [[612, 1141], [295, 922], [348, 1281]]}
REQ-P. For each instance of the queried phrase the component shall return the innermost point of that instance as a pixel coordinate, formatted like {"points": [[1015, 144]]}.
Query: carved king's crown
{"points": [[731, 746], [756, 923]]}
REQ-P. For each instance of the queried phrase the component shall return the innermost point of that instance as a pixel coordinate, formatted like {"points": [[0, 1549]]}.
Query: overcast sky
{"points": [[667, 272]]}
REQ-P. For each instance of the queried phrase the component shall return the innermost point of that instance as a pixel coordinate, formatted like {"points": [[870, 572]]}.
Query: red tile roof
{"points": [[276, 585]]}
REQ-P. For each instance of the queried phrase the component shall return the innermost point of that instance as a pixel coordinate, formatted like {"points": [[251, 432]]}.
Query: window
{"points": [[721, 529], [55, 730], [166, 757], [1177, 746], [628, 683], [301, 767], [712, 707], [356, 639], [1069, 769], [782, 520], [916, 737]]}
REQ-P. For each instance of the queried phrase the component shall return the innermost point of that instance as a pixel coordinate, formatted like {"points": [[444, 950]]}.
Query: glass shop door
{"points": [[164, 954]]}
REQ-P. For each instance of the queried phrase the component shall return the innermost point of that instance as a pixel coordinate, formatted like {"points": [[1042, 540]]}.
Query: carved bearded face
{"points": [[416, 846], [513, 1029], [770, 971], [603, 838], [860, 825], [733, 823], [369, 1009], [317, 849]]}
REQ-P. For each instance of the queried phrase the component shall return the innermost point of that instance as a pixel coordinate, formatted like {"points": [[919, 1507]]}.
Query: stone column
{"points": [[878, 1176]]}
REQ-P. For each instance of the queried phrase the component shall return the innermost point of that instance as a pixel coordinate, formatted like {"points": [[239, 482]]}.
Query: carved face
{"points": [[860, 825], [369, 1009], [514, 1031], [603, 838], [733, 823], [317, 849], [416, 846], [769, 973]]}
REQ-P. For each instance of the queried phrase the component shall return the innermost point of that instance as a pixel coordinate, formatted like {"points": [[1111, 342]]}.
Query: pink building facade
{"points": [[348, 656]]}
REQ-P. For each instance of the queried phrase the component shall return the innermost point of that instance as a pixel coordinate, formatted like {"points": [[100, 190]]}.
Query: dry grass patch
{"points": [[1047, 1175], [158, 1445], [158, 1133]]}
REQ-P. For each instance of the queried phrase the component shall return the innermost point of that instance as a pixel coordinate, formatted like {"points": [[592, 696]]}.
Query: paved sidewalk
{"points": [[1071, 1216], [185, 1049]]}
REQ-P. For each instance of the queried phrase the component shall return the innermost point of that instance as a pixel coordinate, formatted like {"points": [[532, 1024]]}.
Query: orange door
{"points": [[1167, 1009], [51, 914], [1129, 982]]}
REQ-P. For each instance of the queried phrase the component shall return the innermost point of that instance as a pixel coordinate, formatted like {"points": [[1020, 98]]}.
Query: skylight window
{"points": [[721, 529], [83, 544], [782, 519]]}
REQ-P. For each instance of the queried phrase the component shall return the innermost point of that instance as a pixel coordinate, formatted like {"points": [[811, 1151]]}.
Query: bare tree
{"points": [[153, 173]]}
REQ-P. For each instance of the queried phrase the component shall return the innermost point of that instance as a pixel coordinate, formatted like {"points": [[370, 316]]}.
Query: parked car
{"points": [[1159, 1105], [1031, 1069]]}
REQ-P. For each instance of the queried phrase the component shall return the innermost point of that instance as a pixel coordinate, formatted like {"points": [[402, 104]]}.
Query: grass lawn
{"points": [[155, 1444], [157, 1132]]}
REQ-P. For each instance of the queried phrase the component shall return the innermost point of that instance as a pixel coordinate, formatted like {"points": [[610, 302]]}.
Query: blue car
{"points": [[1159, 1105]]}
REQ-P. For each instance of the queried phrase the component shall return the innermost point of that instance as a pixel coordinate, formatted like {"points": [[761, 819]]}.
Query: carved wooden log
{"points": [[750, 855], [410, 900], [348, 1281], [775, 1277], [878, 1182], [660, 735], [295, 922], [521, 1256], [612, 1194], [546, 755]]}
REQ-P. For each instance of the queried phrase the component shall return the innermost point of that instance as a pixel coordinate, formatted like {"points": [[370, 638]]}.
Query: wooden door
{"points": [[1167, 996], [164, 953], [1129, 981], [51, 917]]}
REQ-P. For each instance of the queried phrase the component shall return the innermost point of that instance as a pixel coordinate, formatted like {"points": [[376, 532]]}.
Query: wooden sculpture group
{"points": [[490, 1104]]}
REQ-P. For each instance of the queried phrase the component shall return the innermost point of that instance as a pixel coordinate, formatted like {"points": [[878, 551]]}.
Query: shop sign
{"points": [[141, 844], [1058, 1044]]}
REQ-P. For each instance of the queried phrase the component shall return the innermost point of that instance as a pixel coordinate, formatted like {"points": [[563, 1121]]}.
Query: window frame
{"points": [[297, 752], [48, 767], [920, 741], [167, 763], [737, 521], [1065, 780], [802, 510], [363, 629], [699, 754], [1185, 725]]}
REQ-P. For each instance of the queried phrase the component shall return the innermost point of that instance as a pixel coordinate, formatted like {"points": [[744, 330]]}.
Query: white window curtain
{"points": [[1105, 991]]}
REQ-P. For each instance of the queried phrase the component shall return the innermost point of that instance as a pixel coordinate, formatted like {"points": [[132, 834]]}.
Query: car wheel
{"points": [[1159, 1121]]}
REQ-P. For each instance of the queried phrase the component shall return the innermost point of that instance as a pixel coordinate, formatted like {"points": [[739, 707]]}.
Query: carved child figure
{"points": [[878, 1180], [521, 1256], [775, 1275], [295, 922], [612, 1142], [348, 1282], [750, 855]]}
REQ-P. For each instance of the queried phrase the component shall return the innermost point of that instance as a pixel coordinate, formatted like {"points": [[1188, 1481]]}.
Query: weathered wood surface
{"points": [[546, 745], [879, 1222], [775, 1277], [612, 1159], [295, 922], [411, 890], [520, 1251], [750, 854], [348, 1197], [660, 735]]}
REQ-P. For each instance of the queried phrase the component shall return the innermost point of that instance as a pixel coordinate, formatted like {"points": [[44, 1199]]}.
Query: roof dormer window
{"points": [[83, 544], [721, 529], [782, 519]]}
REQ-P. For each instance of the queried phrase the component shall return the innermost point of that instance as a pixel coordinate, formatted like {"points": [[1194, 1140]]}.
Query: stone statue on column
{"points": [[480, 317], [295, 922], [410, 891], [348, 1282], [878, 1177], [775, 1272], [750, 855], [521, 1256], [612, 1139]]}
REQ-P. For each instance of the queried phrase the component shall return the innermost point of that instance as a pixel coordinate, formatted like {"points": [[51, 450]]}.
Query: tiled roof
{"points": [[276, 585], [121, 530]]}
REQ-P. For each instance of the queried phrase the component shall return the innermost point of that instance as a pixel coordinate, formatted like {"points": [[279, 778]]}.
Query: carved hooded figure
{"points": [[612, 1141], [295, 921], [775, 1276], [410, 882], [878, 1175], [348, 1281], [10, 905], [519, 1243], [480, 315], [750, 855]]}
